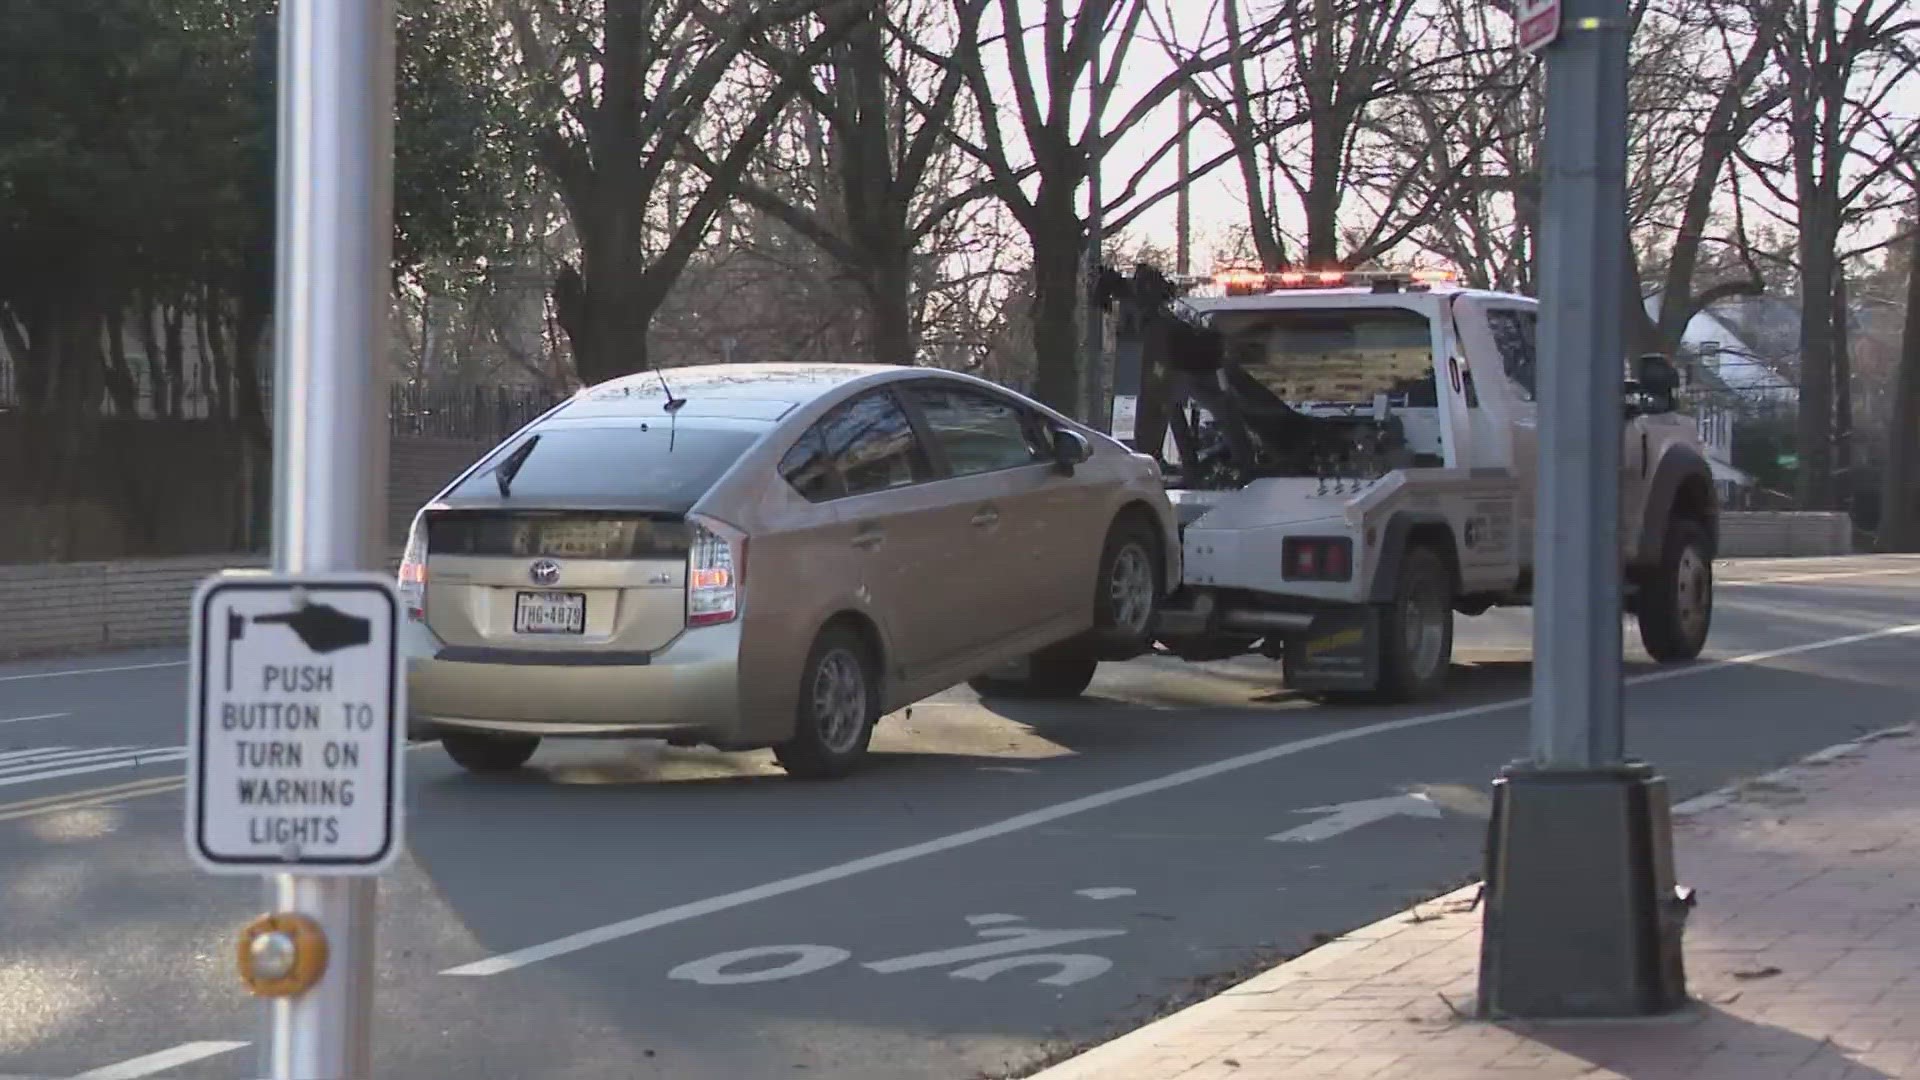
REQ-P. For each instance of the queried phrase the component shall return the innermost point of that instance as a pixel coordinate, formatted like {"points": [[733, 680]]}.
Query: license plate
{"points": [[550, 613]]}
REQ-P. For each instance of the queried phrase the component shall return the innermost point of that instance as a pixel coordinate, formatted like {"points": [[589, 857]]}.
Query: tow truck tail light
{"points": [[716, 568], [1316, 558], [412, 578]]}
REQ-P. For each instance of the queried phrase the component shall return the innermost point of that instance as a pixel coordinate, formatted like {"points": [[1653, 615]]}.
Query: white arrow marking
{"points": [[1345, 817]]}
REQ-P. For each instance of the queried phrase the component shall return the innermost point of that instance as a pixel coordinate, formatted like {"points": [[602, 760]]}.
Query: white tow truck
{"points": [[1352, 457]]}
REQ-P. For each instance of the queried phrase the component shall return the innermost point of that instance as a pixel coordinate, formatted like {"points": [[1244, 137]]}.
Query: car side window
{"points": [[978, 431], [871, 446], [1514, 334], [810, 469]]}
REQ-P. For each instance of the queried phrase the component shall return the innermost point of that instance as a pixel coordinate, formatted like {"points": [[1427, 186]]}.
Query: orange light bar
{"points": [[1242, 282]]}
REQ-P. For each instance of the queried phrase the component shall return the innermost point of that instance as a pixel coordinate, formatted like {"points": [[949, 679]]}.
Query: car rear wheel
{"points": [[1064, 671], [1675, 606], [489, 753], [839, 704]]}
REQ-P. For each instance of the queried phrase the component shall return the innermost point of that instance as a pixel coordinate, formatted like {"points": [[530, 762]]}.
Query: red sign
{"points": [[1537, 23]]}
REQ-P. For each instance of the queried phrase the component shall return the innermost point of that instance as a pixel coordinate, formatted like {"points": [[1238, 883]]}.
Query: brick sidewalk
{"points": [[1803, 959]]}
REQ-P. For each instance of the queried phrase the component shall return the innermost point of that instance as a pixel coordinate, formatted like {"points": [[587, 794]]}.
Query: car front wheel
{"points": [[1126, 602]]}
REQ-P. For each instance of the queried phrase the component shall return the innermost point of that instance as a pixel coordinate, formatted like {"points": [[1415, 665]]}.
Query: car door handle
{"points": [[986, 516], [869, 539]]}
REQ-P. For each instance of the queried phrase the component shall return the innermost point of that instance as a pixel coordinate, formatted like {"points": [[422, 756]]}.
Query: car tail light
{"points": [[716, 568], [1316, 558], [413, 575]]}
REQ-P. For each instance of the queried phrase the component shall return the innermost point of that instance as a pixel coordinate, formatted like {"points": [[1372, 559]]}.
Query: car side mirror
{"points": [[1070, 449]]}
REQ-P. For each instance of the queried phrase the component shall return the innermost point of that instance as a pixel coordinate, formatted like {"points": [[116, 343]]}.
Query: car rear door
{"points": [[1031, 539], [901, 529]]}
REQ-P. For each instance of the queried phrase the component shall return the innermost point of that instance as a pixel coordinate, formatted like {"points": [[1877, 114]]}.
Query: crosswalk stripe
{"points": [[128, 762], [70, 757], [14, 755]]}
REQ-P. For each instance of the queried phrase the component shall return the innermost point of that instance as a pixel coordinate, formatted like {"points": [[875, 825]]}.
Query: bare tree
{"points": [[1040, 181], [1839, 67], [877, 185], [616, 88]]}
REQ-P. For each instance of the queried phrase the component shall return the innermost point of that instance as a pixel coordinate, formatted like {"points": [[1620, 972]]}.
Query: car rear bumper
{"points": [[688, 691]]}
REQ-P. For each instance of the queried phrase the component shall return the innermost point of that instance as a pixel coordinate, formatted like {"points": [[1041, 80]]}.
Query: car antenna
{"points": [[673, 410], [673, 403], [504, 473]]}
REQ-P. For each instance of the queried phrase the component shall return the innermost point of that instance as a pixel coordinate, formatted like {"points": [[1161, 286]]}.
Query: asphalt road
{"points": [[1007, 878]]}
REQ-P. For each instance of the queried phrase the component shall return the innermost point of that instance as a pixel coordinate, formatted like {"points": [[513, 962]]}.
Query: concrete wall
{"points": [[1763, 534], [79, 607]]}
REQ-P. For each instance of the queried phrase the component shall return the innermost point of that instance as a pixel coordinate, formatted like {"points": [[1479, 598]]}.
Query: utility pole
{"points": [[1582, 918], [1183, 258], [1093, 372]]}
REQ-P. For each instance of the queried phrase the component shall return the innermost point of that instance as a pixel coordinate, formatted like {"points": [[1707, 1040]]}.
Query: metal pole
{"points": [[330, 437], [1581, 915], [1184, 214], [1099, 412], [1576, 627]]}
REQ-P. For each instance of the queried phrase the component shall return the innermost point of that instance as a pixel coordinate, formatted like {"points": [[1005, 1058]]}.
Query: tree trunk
{"points": [[889, 296], [1324, 189], [1814, 485], [1900, 497], [1056, 309]]}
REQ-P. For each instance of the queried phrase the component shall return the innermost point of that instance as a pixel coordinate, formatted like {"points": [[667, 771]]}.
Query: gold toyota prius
{"points": [[774, 555]]}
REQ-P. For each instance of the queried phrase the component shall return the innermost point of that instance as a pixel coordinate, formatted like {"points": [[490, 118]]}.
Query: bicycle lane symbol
{"points": [[1003, 948]]}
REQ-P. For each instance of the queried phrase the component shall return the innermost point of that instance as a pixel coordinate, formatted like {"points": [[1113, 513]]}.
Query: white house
{"points": [[1737, 382]]}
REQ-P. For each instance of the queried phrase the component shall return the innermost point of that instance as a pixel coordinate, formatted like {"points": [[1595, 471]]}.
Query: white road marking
{"points": [[184, 1054], [42, 716], [1793, 579], [1348, 816], [804, 960], [1013, 939], [1112, 893], [91, 671], [53, 763], [995, 919], [640, 924]]}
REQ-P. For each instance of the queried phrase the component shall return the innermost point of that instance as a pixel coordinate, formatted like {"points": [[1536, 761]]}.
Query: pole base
{"points": [[1581, 916]]}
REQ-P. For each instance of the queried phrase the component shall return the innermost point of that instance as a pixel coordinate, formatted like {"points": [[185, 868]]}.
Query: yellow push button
{"points": [[282, 954]]}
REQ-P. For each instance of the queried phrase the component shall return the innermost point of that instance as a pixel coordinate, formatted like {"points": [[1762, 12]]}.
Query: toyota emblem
{"points": [[545, 572]]}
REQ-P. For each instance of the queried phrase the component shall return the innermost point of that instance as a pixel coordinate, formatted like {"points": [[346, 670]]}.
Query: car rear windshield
{"points": [[656, 466]]}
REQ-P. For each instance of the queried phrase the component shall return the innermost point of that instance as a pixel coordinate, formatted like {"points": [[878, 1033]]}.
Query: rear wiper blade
{"points": [[504, 472]]}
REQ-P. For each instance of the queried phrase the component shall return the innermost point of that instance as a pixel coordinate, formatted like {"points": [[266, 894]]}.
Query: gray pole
{"points": [[1183, 241], [1099, 412], [330, 431], [1576, 628], [1581, 915]]}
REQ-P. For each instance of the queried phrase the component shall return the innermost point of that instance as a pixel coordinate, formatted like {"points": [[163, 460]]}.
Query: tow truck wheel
{"points": [[1675, 608], [1417, 631], [1064, 671]]}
